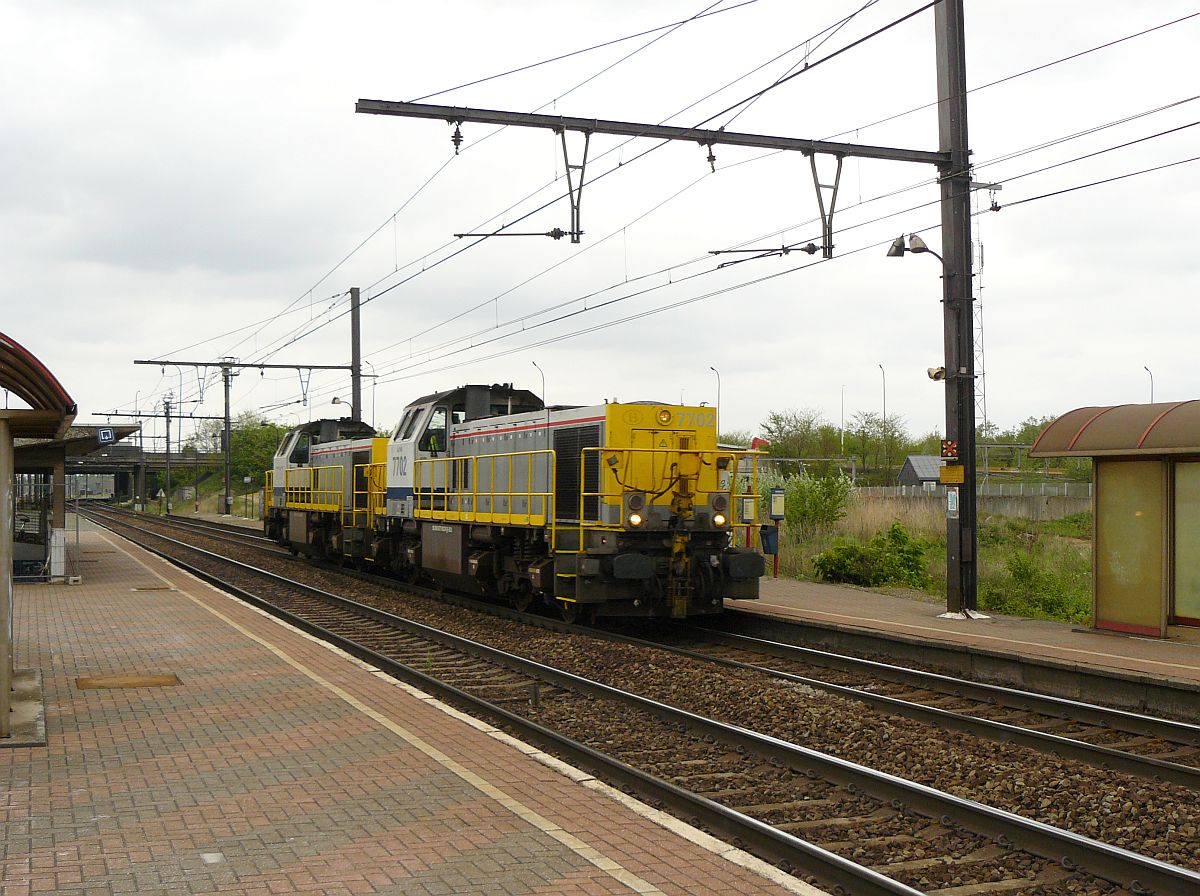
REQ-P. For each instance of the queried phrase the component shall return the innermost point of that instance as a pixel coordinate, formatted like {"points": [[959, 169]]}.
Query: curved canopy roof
{"points": [[1124, 429], [51, 409]]}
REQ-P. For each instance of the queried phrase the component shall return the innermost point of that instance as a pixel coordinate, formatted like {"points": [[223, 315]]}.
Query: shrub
{"points": [[1077, 525], [1034, 585], [815, 503], [892, 557]]}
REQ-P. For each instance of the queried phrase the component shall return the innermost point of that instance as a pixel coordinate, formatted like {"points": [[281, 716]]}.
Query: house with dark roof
{"points": [[920, 469]]}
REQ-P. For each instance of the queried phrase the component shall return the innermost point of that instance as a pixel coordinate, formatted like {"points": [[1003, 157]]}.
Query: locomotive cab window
{"points": [[434, 438], [406, 420], [299, 453], [410, 426]]}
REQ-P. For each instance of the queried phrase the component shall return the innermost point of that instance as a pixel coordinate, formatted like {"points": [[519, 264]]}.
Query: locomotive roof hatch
{"points": [[479, 401], [335, 430]]}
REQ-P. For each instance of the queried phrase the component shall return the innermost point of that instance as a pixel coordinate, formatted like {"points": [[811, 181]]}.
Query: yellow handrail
{"points": [[314, 488], [465, 489], [268, 493], [371, 501]]}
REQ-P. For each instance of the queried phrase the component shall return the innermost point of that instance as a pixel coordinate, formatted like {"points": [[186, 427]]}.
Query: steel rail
{"points": [[221, 532], [777, 846], [1074, 851], [1065, 747], [1135, 693], [1089, 713]]}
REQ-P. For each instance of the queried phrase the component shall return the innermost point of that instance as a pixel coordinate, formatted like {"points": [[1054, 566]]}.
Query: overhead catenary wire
{"points": [[594, 179], [1006, 157], [592, 294], [411, 371], [1029, 71], [1038, 68], [524, 68], [301, 332], [1096, 183], [753, 96], [733, 287]]}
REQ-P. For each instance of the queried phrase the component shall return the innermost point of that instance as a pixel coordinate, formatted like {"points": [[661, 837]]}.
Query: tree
{"points": [[793, 433], [253, 447], [740, 437], [253, 441]]}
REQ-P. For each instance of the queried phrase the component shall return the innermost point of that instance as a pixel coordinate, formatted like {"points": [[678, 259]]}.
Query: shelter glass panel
{"points": [[1129, 546], [1187, 544]]}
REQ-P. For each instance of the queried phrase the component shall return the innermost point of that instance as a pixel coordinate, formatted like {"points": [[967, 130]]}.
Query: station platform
{"points": [[918, 617], [196, 745]]}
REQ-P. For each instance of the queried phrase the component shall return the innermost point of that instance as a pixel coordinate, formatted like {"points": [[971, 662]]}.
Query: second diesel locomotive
{"points": [[617, 509]]}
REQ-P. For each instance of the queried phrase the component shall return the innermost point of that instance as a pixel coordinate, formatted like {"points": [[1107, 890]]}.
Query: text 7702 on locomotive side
{"points": [[617, 509]]}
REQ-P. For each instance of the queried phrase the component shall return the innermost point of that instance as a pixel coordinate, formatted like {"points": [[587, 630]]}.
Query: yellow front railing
{"points": [[657, 473], [268, 499], [370, 496], [314, 488], [487, 488]]}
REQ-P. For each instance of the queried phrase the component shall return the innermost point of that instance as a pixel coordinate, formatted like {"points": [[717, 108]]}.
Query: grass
{"points": [[1029, 568]]}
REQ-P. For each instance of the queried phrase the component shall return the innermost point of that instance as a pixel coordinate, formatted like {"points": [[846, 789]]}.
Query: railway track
{"points": [[1145, 694], [827, 818], [1146, 746], [1134, 743]]}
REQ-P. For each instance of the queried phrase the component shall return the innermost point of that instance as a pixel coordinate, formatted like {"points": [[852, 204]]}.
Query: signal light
{"points": [[635, 519]]}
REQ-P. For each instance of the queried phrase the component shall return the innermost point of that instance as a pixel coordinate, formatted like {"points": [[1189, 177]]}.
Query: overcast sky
{"points": [[189, 181]]}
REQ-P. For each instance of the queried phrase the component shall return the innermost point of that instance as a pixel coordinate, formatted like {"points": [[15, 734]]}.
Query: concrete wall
{"points": [[1029, 507]]}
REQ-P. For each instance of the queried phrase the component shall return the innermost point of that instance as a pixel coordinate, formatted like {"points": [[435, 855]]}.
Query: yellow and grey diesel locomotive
{"points": [[618, 509]]}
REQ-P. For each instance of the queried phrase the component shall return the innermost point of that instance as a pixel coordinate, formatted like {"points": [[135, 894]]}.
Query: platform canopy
{"points": [[51, 410], [1128, 430]]}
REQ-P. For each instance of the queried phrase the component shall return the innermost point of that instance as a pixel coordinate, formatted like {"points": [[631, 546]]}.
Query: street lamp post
{"points": [[962, 577], [374, 381], [544, 406], [543, 374], [1151, 372], [842, 422], [718, 420], [884, 430]]}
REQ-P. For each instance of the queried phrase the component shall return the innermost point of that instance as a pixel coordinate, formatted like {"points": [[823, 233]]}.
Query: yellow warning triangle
{"points": [[662, 444]]}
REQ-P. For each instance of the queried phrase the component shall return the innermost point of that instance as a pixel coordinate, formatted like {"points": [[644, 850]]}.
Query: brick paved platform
{"points": [[1175, 658], [279, 765]]}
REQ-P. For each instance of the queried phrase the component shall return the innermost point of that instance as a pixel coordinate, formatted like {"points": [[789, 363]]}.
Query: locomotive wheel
{"points": [[522, 598], [573, 613]]}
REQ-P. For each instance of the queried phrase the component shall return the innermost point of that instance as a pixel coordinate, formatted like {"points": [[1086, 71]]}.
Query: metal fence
{"points": [[41, 551], [984, 489]]}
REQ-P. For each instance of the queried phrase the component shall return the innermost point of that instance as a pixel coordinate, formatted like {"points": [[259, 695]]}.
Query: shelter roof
{"points": [[80, 440], [926, 466], [1125, 429], [51, 409]]}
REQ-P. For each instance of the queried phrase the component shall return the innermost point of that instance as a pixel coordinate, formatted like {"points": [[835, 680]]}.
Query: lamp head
{"points": [[897, 248], [916, 244], [337, 400], [936, 373]]}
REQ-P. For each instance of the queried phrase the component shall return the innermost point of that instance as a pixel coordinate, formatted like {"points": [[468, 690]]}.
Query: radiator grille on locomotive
{"points": [[568, 445]]}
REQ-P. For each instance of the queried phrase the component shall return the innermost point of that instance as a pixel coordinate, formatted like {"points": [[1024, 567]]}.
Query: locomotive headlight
{"points": [[664, 417], [635, 519], [719, 520]]}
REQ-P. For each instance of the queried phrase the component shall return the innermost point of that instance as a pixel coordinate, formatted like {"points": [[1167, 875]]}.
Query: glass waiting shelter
{"points": [[1146, 510]]}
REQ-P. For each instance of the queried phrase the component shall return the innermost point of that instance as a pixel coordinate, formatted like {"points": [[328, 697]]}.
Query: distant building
{"points": [[921, 469]]}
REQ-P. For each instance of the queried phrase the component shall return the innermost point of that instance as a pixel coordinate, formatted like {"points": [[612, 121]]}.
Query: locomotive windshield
{"points": [[434, 438]]}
